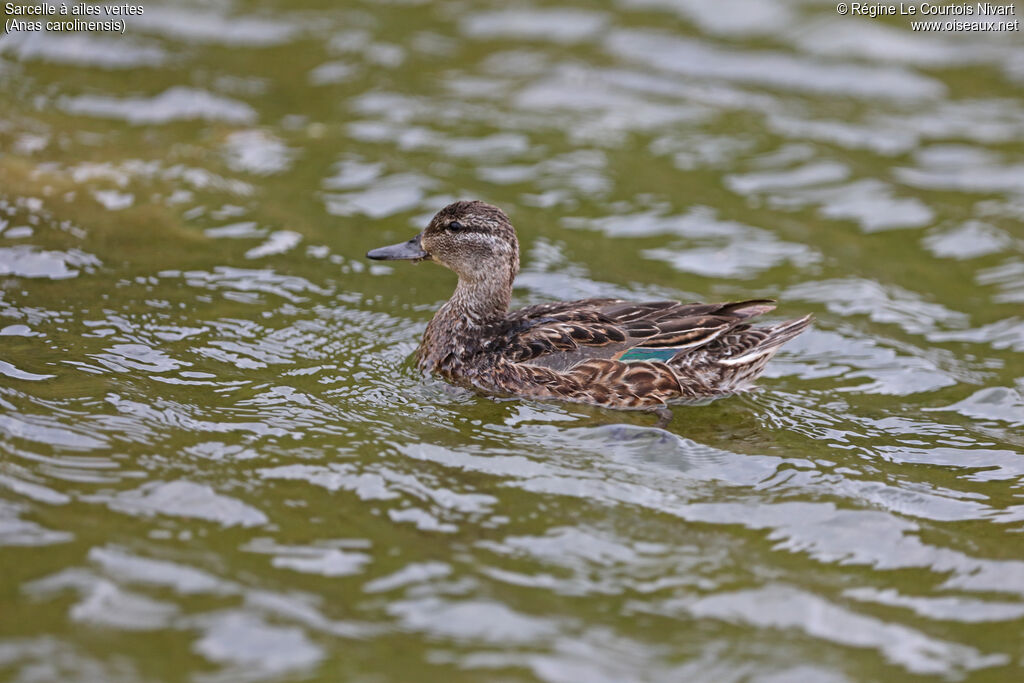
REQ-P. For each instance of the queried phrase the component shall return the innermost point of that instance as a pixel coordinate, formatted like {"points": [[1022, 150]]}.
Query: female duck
{"points": [[608, 352]]}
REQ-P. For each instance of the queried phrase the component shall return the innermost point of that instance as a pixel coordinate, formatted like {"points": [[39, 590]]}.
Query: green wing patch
{"points": [[639, 353]]}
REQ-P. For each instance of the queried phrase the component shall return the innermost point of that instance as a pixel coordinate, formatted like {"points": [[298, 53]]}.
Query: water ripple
{"points": [[214, 441]]}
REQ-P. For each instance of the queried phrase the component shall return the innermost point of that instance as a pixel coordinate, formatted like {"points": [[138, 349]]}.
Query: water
{"points": [[218, 463]]}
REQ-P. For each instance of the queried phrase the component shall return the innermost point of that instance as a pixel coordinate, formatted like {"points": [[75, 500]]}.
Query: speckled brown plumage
{"points": [[608, 352]]}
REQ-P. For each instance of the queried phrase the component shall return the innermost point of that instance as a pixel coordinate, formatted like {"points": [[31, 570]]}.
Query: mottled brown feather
{"points": [[570, 350]]}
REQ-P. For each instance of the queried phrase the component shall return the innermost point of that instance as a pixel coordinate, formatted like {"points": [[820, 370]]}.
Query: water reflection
{"points": [[216, 450]]}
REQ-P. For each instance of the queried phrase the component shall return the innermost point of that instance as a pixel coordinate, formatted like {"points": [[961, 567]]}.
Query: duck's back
{"points": [[629, 354]]}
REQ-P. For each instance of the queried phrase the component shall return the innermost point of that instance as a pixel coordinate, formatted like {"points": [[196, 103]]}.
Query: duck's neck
{"points": [[479, 302], [459, 325]]}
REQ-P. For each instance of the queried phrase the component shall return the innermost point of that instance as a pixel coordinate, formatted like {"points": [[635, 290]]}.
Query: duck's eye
{"points": [[455, 225]]}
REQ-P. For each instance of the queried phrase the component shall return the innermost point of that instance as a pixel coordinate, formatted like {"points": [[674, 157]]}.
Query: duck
{"points": [[608, 352]]}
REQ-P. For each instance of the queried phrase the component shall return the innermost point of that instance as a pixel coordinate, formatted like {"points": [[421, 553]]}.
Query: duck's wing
{"points": [[562, 335], [583, 306]]}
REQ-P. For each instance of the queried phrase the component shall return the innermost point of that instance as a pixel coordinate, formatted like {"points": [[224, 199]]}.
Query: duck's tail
{"points": [[743, 369]]}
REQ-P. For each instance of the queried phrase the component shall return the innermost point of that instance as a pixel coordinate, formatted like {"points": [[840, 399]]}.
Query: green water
{"points": [[218, 464]]}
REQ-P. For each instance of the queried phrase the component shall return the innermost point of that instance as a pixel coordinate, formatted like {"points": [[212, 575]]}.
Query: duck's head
{"points": [[474, 239]]}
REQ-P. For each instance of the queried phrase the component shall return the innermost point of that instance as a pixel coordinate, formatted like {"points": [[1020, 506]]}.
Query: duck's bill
{"points": [[403, 251]]}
